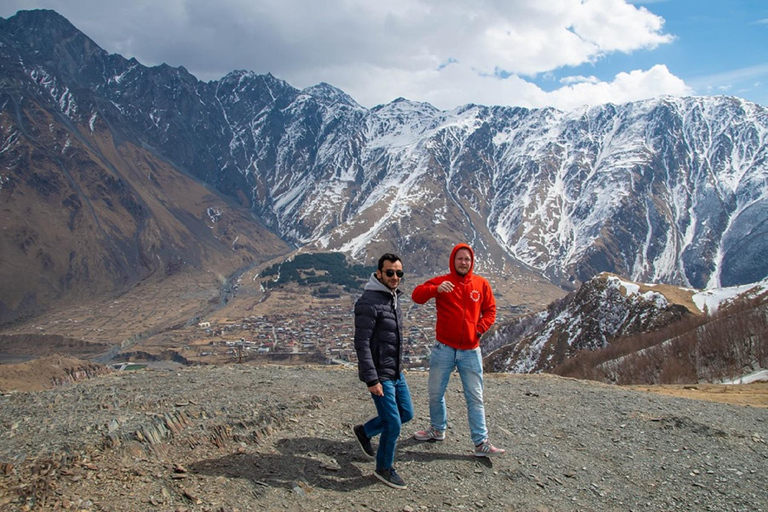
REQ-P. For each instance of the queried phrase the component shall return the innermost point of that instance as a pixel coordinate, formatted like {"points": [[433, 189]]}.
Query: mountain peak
{"points": [[326, 92], [250, 80], [42, 17], [403, 105], [48, 37], [39, 26]]}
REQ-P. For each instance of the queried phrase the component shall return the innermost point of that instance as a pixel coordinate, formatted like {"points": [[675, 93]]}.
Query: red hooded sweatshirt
{"points": [[464, 313]]}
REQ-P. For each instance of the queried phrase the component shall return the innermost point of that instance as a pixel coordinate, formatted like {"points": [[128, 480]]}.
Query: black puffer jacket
{"points": [[378, 335]]}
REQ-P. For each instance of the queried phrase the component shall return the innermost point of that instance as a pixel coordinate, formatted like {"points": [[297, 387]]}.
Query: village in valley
{"points": [[320, 333], [299, 311], [298, 323], [303, 311]]}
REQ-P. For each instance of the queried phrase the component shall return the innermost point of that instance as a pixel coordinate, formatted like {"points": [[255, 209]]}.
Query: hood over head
{"points": [[453, 256]]}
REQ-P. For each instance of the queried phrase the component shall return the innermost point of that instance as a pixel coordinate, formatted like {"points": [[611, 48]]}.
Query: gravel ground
{"points": [[236, 438]]}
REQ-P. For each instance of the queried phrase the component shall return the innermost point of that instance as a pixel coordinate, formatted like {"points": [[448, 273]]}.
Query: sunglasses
{"points": [[391, 272]]}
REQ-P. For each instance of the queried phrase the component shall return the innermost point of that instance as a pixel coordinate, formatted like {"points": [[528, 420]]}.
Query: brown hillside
{"points": [[97, 215]]}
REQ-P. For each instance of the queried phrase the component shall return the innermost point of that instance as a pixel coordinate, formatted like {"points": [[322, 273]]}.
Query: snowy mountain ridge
{"points": [[678, 183], [603, 310]]}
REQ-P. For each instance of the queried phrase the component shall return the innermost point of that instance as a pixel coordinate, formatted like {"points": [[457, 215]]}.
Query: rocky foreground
{"points": [[236, 438]]}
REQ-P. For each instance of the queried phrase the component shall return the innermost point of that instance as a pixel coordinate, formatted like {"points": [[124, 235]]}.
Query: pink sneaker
{"points": [[431, 434], [486, 449]]}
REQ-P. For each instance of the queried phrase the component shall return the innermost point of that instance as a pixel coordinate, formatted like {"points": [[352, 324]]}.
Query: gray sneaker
{"points": [[390, 477]]}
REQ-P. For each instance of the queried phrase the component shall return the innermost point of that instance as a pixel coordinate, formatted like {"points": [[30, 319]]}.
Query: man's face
{"points": [[390, 281], [462, 261]]}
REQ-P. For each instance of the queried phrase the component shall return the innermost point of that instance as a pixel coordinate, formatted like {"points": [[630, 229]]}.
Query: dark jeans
{"points": [[394, 409]]}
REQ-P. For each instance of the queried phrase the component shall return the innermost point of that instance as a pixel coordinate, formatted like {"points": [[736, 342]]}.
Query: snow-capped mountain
{"points": [[668, 190]]}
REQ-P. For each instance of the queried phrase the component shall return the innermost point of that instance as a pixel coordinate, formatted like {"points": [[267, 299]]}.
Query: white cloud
{"points": [[446, 52], [459, 87], [579, 79], [632, 86]]}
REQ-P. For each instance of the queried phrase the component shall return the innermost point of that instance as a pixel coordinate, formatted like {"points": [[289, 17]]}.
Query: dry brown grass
{"points": [[753, 395], [675, 295]]}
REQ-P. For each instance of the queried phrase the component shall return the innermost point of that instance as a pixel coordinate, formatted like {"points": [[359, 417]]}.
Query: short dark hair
{"points": [[388, 257]]}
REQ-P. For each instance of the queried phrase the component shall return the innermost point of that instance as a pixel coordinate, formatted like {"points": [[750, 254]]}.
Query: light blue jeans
{"points": [[442, 361], [394, 409]]}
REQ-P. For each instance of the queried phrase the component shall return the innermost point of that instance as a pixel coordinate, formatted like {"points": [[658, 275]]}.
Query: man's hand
{"points": [[376, 389], [445, 287]]}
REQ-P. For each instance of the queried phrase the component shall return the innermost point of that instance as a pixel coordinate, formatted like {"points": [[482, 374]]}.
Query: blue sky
{"points": [[561, 53], [719, 46]]}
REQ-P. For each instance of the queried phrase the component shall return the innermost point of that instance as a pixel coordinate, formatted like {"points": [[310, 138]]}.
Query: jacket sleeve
{"points": [[487, 310], [365, 323], [425, 291]]}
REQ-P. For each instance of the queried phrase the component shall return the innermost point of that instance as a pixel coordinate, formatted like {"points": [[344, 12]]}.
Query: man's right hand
{"points": [[376, 389], [445, 287]]}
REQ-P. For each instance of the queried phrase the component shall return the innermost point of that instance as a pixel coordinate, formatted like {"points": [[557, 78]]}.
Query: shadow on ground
{"points": [[421, 451], [317, 462]]}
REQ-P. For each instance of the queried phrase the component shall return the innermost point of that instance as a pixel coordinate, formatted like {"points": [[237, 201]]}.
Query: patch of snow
{"points": [[758, 376], [214, 214], [711, 300], [632, 288]]}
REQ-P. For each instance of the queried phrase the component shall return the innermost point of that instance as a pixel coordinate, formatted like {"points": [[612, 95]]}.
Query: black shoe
{"points": [[390, 477], [363, 440]]}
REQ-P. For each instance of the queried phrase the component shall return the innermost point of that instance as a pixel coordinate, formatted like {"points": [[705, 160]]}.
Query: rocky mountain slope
{"points": [[602, 312], [239, 437]]}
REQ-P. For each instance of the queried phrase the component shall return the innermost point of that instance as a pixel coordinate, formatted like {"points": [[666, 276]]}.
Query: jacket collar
{"points": [[375, 285]]}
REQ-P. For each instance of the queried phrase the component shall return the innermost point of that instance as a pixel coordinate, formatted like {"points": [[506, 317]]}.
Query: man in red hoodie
{"points": [[466, 309]]}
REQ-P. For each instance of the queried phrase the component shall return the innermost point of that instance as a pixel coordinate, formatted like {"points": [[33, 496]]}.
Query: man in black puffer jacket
{"points": [[379, 347]]}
